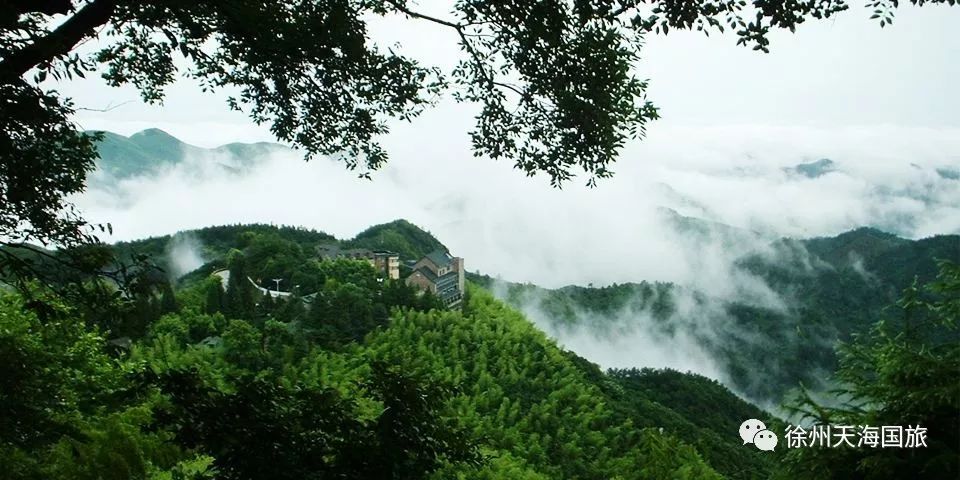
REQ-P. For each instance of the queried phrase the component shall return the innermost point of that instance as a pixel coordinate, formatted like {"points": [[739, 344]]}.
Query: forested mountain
{"points": [[398, 236], [830, 288], [211, 244], [699, 231], [218, 378], [153, 150], [363, 378], [215, 242]]}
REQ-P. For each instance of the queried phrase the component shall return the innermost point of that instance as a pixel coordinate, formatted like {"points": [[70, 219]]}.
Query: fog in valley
{"points": [[745, 182]]}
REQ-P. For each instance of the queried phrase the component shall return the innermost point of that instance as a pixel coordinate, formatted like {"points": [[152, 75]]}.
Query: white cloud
{"points": [[519, 227], [523, 230]]}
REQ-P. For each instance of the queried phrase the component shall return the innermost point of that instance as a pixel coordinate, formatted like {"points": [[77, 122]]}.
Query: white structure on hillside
{"points": [[225, 279]]}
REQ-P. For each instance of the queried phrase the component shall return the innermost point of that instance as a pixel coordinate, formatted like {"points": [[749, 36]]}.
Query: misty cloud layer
{"points": [[629, 339], [520, 229]]}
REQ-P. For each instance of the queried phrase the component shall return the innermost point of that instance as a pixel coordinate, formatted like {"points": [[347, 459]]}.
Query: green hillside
{"points": [[365, 380], [152, 150], [833, 288], [399, 236], [538, 404]]}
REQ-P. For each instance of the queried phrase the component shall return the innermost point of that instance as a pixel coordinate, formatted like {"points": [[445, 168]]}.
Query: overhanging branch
{"points": [[58, 42], [467, 45], [46, 7]]}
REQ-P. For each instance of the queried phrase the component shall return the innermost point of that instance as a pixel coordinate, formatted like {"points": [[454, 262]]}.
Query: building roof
{"points": [[440, 258], [335, 251], [328, 251], [427, 273], [433, 278]]}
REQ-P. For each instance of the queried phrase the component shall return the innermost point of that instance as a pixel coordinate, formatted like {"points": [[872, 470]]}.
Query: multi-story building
{"points": [[387, 263], [442, 274]]}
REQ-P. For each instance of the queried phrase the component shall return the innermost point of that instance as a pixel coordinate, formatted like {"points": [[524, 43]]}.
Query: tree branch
{"points": [[46, 7], [58, 42], [419, 15], [464, 37], [110, 106], [511, 88]]}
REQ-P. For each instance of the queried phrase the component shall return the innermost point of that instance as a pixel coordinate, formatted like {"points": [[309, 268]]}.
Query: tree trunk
{"points": [[58, 42]]}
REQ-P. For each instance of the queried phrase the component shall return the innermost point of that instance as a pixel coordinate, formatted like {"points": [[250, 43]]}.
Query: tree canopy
{"points": [[902, 371]]}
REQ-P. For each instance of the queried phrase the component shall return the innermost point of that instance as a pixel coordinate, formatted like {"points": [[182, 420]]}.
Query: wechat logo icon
{"points": [[754, 431]]}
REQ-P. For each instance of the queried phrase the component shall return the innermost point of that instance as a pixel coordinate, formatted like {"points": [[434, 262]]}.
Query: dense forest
{"points": [[364, 377], [832, 287]]}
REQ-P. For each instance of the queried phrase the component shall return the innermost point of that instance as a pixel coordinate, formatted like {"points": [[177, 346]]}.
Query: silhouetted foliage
{"points": [[899, 373]]}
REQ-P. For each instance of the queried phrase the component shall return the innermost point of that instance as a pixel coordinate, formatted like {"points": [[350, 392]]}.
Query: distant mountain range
{"points": [[153, 150], [831, 289], [824, 166], [932, 187], [813, 169], [949, 173]]}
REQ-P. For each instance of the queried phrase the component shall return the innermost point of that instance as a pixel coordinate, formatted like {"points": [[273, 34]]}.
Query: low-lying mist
{"points": [[507, 225], [184, 255]]}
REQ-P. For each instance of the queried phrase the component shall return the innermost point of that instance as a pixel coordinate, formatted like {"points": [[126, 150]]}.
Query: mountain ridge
{"points": [[832, 288], [151, 150], [400, 236]]}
